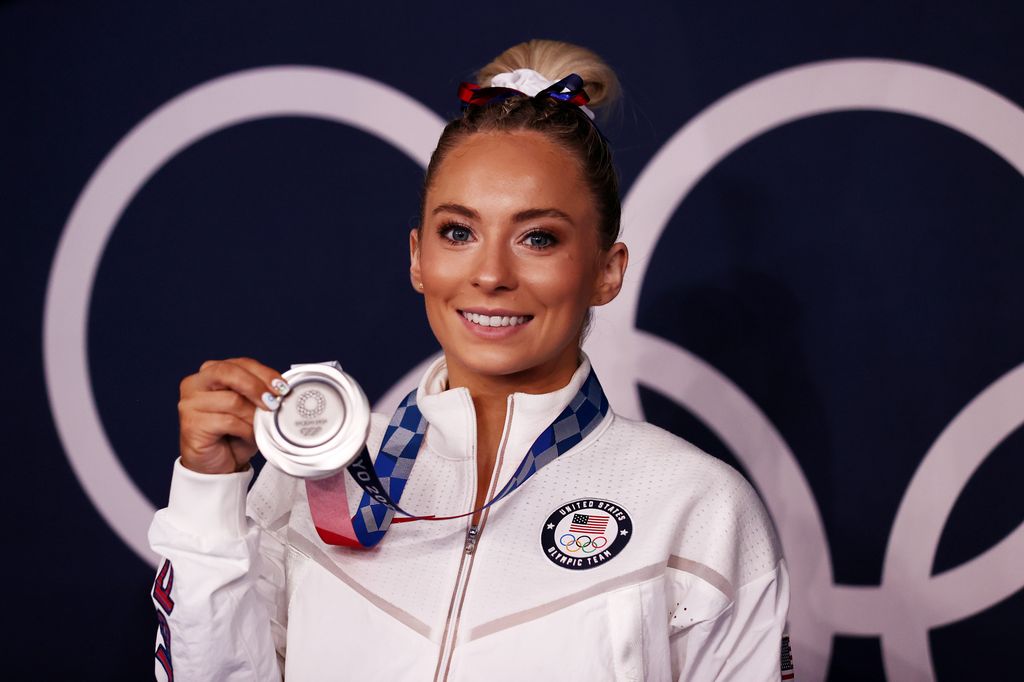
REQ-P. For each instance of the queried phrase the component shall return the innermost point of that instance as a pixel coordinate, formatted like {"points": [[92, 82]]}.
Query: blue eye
{"points": [[456, 233], [540, 240]]}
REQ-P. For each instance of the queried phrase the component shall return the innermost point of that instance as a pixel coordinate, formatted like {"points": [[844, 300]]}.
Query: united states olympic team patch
{"points": [[585, 533]]}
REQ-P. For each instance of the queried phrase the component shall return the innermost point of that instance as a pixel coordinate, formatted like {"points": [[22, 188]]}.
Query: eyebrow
{"points": [[521, 216]]}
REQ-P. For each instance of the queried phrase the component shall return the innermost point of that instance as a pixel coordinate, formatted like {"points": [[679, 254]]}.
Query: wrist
{"points": [[213, 468], [208, 505]]}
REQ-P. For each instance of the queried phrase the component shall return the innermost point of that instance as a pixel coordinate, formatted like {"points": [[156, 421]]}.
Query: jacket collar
{"points": [[452, 418]]}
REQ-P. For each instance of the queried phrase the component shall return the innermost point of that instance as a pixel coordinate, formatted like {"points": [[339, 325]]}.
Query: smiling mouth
{"points": [[495, 320]]}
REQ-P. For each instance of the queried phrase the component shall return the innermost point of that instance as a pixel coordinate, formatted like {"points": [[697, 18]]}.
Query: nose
{"points": [[494, 269]]}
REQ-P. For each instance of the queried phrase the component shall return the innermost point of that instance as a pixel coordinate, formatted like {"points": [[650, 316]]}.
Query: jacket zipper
{"points": [[451, 628]]}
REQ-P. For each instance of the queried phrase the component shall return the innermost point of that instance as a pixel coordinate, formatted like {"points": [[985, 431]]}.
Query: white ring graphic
{"points": [[329, 94], [820, 608]]}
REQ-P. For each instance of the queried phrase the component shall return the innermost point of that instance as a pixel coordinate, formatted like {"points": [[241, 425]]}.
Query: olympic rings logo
{"points": [[576, 544], [908, 602]]}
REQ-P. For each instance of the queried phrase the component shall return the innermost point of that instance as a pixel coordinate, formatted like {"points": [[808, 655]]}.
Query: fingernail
{"points": [[270, 400], [281, 386]]}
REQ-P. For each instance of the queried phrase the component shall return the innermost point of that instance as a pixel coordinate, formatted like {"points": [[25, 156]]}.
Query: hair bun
{"points": [[557, 59]]}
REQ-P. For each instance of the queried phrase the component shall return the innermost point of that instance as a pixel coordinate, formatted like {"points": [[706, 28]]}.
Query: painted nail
{"points": [[270, 400], [281, 386]]}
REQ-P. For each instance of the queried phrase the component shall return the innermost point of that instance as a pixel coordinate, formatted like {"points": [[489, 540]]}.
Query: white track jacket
{"points": [[633, 556]]}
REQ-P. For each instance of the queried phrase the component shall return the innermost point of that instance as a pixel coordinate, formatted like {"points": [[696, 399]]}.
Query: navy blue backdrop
{"points": [[856, 274]]}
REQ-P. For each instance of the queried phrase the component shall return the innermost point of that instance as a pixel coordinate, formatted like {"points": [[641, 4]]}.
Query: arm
{"points": [[219, 593], [742, 642], [731, 591], [218, 590]]}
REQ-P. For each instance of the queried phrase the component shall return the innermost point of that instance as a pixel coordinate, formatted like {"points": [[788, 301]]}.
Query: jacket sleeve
{"points": [[744, 642], [219, 592]]}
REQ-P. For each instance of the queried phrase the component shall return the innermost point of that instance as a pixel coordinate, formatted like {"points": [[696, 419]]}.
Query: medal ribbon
{"points": [[384, 481]]}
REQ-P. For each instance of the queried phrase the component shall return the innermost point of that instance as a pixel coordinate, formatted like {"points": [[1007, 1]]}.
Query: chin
{"points": [[508, 360], [494, 361], [507, 357]]}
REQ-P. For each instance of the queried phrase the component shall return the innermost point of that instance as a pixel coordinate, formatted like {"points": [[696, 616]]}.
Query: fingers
{"points": [[216, 412], [259, 384], [269, 375], [231, 425], [227, 402], [215, 443], [205, 428]]}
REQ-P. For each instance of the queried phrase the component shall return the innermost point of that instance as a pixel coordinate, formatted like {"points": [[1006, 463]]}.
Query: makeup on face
{"points": [[508, 255]]}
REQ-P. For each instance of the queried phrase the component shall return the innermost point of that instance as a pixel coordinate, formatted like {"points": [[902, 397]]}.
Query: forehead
{"points": [[506, 172]]}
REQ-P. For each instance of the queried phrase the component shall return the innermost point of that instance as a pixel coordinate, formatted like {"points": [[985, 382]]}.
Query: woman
{"points": [[632, 555]]}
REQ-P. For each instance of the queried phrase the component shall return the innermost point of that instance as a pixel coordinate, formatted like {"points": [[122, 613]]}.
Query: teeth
{"points": [[495, 320]]}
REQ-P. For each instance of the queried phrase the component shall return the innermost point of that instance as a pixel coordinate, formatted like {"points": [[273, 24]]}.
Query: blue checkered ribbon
{"points": [[384, 481]]}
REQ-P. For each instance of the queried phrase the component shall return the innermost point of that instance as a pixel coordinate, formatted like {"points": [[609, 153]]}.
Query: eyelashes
{"points": [[540, 239], [457, 233]]}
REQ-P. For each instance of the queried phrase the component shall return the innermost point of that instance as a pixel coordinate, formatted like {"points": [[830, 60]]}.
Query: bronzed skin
{"points": [[526, 244], [215, 414], [509, 228]]}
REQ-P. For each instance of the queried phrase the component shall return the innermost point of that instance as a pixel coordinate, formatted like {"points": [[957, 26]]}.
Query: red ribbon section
{"points": [[328, 504]]}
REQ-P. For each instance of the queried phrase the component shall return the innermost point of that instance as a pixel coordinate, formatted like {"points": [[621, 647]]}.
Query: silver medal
{"points": [[321, 425]]}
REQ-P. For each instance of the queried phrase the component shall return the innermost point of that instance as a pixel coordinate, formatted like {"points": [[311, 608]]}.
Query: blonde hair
{"points": [[556, 59]]}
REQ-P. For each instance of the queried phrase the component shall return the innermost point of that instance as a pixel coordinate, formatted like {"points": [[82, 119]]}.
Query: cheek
{"points": [[443, 280], [566, 284], [437, 270]]}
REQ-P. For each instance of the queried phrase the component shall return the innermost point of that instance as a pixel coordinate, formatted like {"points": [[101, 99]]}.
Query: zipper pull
{"points": [[471, 536]]}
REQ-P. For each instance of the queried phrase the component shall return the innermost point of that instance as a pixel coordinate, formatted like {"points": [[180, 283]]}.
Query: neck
{"points": [[490, 397]]}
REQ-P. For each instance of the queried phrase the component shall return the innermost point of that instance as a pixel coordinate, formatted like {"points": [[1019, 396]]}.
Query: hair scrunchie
{"points": [[529, 83]]}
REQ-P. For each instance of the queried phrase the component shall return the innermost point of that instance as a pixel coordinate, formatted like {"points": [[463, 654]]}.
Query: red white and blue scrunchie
{"points": [[529, 83]]}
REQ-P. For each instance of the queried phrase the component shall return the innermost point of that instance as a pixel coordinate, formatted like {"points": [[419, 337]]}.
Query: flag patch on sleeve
{"points": [[787, 660]]}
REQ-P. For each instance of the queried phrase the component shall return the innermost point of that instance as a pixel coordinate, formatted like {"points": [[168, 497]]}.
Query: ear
{"points": [[415, 277], [611, 270]]}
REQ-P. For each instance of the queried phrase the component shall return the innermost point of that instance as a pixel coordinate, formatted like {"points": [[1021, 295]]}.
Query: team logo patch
{"points": [[585, 533]]}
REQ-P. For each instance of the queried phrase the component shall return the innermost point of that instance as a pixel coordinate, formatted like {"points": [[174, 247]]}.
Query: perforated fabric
{"points": [[701, 567]]}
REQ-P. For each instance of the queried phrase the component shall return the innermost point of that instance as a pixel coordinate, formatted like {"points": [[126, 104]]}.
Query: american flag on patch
{"points": [[588, 523]]}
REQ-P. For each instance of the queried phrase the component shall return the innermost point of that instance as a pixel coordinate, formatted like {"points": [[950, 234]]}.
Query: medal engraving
{"points": [[321, 425], [311, 415]]}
